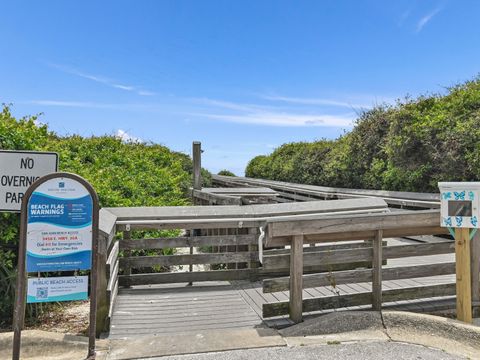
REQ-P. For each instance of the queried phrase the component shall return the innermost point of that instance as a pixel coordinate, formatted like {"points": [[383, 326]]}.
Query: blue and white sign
{"points": [[59, 227], [65, 288]]}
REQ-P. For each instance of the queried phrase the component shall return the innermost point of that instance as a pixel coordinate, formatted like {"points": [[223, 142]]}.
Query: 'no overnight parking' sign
{"points": [[19, 170]]}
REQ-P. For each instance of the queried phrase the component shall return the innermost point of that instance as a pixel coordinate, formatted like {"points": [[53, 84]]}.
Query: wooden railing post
{"points": [[252, 249], [296, 279], [197, 165], [377, 271], [102, 301], [197, 185], [475, 263], [127, 270]]}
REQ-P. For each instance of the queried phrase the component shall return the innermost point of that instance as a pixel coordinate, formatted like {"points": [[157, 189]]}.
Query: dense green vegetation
{"points": [[225, 172], [409, 146], [124, 174]]}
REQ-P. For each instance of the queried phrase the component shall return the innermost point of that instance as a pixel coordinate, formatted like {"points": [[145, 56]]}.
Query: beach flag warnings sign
{"points": [[58, 233]]}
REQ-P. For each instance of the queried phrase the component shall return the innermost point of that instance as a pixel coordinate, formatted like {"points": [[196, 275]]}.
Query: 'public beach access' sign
{"points": [[19, 170], [63, 288]]}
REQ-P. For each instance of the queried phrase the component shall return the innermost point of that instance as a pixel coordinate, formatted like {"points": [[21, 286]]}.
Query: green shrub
{"points": [[410, 146], [123, 174], [225, 172]]}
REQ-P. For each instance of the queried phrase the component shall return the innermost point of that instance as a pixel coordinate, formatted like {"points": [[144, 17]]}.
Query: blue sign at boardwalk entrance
{"points": [[58, 232], [59, 227]]}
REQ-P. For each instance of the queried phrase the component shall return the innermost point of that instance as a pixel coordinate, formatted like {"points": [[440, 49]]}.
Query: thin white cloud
{"points": [[427, 18], [146, 93], [221, 110], [38, 123], [283, 119], [228, 104], [95, 105], [314, 101], [101, 79], [77, 104], [123, 87], [267, 115], [126, 137]]}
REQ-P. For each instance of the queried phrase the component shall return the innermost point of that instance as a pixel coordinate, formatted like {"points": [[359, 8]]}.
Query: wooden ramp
{"points": [[161, 310], [178, 308]]}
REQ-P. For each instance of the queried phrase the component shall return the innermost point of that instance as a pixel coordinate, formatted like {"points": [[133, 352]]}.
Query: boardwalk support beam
{"points": [[475, 265], [296, 279], [464, 288], [377, 271]]}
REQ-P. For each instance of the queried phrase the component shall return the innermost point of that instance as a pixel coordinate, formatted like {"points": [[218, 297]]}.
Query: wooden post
{"points": [[475, 264], [102, 281], [197, 182], [377, 271], [190, 267], [128, 270], [296, 279], [21, 287], [464, 285], [197, 165], [252, 249], [92, 328]]}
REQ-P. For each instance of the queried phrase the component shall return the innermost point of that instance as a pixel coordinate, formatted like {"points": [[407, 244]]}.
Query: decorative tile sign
{"points": [[460, 204]]}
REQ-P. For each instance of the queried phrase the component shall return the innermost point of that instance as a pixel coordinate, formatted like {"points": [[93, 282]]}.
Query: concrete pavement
{"points": [[345, 335], [41, 345], [350, 351]]}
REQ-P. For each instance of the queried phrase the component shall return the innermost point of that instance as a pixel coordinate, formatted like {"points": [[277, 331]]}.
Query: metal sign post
{"points": [[460, 213], [58, 232]]}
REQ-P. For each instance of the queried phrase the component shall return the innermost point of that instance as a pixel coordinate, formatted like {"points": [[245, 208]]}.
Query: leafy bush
{"points": [[410, 146], [226, 173], [123, 174]]}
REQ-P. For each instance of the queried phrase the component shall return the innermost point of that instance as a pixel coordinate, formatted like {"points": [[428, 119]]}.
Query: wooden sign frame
{"points": [[20, 293]]}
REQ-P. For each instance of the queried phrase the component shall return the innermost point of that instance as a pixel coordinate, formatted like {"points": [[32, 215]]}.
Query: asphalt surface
{"points": [[349, 351]]}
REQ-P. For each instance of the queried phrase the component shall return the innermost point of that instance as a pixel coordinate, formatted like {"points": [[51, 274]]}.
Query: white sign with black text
{"points": [[19, 170]]}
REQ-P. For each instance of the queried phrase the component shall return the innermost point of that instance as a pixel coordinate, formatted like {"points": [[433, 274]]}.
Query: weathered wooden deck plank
{"points": [[176, 309]]}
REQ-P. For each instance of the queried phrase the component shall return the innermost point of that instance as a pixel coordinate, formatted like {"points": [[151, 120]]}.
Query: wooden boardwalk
{"points": [[177, 308]]}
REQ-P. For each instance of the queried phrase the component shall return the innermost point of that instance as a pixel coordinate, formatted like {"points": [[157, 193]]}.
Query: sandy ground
{"points": [[66, 318], [185, 268]]}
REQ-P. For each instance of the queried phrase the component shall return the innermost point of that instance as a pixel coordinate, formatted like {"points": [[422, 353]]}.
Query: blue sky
{"points": [[241, 76]]}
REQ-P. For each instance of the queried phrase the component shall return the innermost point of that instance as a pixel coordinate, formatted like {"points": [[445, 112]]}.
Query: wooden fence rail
{"points": [[348, 227], [237, 243], [374, 276], [364, 254], [360, 276], [365, 298]]}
